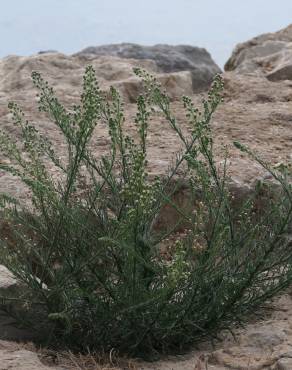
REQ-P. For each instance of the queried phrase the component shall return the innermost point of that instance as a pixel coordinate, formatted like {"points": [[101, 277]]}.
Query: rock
{"points": [[15, 75], [284, 364], [15, 71], [21, 360], [189, 362], [283, 66], [256, 90], [265, 337], [8, 283], [241, 358], [268, 55], [15, 356], [176, 84], [10, 287], [167, 57]]}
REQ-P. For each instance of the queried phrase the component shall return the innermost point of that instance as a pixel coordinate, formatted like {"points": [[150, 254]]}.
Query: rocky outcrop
{"points": [[15, 75], [268, 55], [167, 57]]}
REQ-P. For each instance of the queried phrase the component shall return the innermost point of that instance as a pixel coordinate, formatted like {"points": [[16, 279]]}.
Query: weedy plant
{"points": [[91, 260]]}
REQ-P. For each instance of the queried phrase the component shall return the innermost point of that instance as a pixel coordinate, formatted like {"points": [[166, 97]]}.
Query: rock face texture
{"points": [[15, 75], [167, 57], [268, 55], [15, 357]]}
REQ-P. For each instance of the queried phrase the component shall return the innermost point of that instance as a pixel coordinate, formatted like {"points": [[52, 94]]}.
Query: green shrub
{"points": [[87, 247]]}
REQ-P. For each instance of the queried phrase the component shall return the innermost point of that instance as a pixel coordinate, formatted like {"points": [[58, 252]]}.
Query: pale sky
{"points": [[28, 26]]}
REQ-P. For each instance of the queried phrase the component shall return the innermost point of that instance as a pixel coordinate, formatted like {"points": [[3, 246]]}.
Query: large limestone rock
{"points": [[268, 55], [180, 70], [65, 73], [168, 58]]}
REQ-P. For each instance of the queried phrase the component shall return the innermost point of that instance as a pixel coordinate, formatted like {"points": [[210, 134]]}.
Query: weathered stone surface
{"points": [[15, 75], [282, 66], [265, 337], [195, 361], [8, 283], [15, 72], [284, 364], [14, 356], [241, 358], [10, 287], [167, 57], [268, 55], [21, 360], [176, 84]]}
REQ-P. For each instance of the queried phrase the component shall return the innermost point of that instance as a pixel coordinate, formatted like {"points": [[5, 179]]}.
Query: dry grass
{"points": [[91, 361]]}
